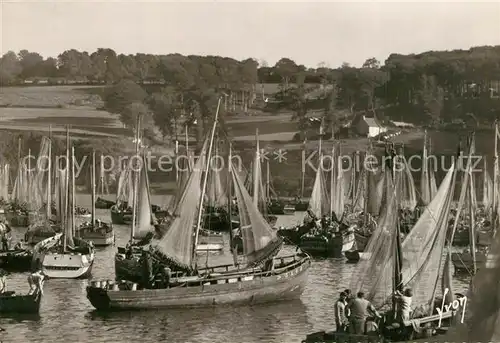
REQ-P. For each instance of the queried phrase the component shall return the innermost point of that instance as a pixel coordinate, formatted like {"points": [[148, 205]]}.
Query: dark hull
{"points": [[129, 269], [463, 262], [120, 217], [37, 234], [17, 220], [352, 255], [17, 261], [277, 209], [301, 206], [229, 288], [100, 236], [104, 204], [292, 235], [361, 241], [327, 246], [12, 303]]}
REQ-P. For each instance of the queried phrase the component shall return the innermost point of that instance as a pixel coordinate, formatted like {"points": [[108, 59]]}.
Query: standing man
{"points": [[35, 280], [360, 309], [3, 281], [341, 320]]}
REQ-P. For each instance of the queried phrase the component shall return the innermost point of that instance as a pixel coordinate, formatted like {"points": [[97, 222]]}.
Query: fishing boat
{"points": [[64, 255], [419, 262], [104, 204], [97, 231], [263, 278], [48, 220], [12, 303], [332, 236]]}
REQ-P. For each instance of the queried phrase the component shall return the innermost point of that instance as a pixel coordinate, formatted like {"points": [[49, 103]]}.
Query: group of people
{"points": [[355, 314], [352, 313], [35, 280]]}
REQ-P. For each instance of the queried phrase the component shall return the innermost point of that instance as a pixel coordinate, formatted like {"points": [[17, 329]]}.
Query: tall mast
{"points": [[494, 217], [66, 191], [204, 187], [234, 250], [303, 174], [73, 198], [92, 180], [177, 159], [28, 175], [255, 170], [187, 148], [471, 208], [135, 174], [49, 179], [333, 174], [268, 181]]}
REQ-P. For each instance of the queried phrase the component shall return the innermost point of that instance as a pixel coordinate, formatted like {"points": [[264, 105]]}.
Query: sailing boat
{"points": [[419, 262], [102, 202], [97, 231], [281, 278], [332, 237], [65, 256], [45, 227], [17, 211]]}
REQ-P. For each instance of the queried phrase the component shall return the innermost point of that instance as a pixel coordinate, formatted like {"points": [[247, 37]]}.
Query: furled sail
{"points": [[337, 195], [144, 214], [5, 182], [408, 193], [319, 204], [176, 244], [487, 189], [259, 240]]}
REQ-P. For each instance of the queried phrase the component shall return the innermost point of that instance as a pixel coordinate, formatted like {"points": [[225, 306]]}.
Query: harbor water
{"points": [[67, 316]]}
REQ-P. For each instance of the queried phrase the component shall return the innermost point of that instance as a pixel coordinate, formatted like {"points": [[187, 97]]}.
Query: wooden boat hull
{"points": [[237, 288], [352, 255], [69, 265], [104, 204], [16, 260], [361, 241], [37, 234], [289, 210], [119, 217], [17, 303], [327, 246], [102, 236], [301, 206], [463, 262], [17, 219]]}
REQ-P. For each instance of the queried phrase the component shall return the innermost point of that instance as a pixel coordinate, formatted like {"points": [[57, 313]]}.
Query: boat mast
{"points": [[303, 173], [92, 180], [28, 176], [205, 177], [66, 191], [255, 171], [471, 208], [177, 159], [332, 178], [49, 177], [20, 167], [234, 250], [134, 186], [494, 212], [187, 149], [73, 200], [268, 181]]}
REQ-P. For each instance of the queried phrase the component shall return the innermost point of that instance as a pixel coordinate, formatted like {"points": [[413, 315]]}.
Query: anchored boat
{"points": [[64, 255]]}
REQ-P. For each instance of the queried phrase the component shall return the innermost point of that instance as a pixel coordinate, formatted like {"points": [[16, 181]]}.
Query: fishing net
{"points": [[259, 240], [408, 193], [422, 250], [177, 243]]}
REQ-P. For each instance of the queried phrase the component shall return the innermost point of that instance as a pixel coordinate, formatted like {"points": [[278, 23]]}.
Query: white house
{"points": [[369, 127]]}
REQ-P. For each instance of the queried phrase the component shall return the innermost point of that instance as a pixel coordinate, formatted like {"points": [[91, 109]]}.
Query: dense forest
{"points": [[435, 88]]}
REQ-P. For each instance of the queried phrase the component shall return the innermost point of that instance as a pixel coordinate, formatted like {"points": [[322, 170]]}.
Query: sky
{"points": [[307, 32]]}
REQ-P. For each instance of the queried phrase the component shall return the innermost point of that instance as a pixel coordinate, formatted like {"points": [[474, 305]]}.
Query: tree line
{"points": [[432, 88]]}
